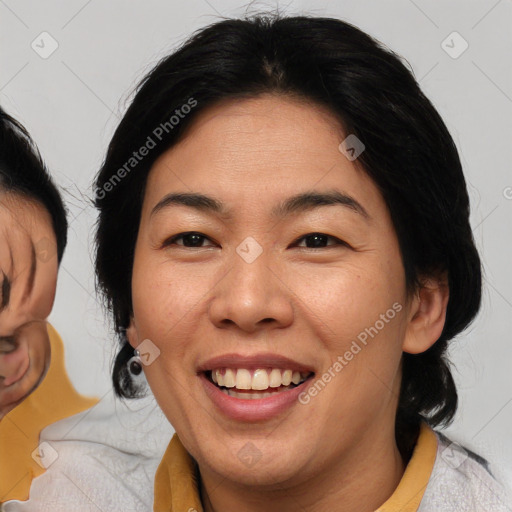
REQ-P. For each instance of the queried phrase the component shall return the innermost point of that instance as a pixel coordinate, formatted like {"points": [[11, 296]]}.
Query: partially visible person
{"points": [[33, 230], [59, 450]]}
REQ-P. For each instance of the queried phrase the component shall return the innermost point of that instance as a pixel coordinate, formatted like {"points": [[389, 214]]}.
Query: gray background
{"points": [[71, 102]]}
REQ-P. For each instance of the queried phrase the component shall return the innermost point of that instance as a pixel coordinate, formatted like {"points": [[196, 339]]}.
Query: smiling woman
{"points": [[304, 231]]}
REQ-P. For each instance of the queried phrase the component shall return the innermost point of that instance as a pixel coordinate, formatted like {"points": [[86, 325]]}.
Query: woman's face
{"points": [[254, 285], [28, 277]]}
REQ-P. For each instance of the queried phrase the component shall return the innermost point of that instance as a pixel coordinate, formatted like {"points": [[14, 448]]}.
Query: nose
{"points": [[252, 295]]}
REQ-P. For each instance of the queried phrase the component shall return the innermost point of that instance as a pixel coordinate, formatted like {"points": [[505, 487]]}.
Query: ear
{"points": [[131, 334], [427, 314]]}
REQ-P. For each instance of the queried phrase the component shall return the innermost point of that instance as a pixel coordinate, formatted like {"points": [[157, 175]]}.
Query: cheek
{"points": [[163, 308], [165, 302], [45, 289], [349, 299], [357, 313], [39, 345], [161, 294]]}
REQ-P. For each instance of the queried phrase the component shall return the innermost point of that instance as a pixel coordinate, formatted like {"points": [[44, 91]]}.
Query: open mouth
{"points": [[256, 384]]}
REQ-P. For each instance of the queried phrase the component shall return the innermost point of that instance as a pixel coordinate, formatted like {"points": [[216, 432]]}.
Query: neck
{"points": [[342, 486]]}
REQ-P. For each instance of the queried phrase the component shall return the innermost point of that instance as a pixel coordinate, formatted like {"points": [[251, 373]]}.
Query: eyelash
{"points": [[172, 240]]}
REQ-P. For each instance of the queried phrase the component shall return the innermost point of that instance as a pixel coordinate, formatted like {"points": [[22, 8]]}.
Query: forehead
{"points": [[260, 128], [259, 150]]}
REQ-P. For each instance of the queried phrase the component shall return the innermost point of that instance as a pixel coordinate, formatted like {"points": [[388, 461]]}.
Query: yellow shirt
{"points": [[54, 399], [176, 480]]}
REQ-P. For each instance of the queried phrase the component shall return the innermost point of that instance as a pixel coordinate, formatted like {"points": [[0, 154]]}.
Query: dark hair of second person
{"points": [[22, 171]]}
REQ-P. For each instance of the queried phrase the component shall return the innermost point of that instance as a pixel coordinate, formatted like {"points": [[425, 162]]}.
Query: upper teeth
{"points": [[242, 378]]}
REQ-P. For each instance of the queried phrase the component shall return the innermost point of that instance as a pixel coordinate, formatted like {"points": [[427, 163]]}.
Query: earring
{"points": [[135, 364]]}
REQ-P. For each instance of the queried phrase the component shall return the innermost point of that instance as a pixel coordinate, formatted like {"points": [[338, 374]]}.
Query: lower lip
{"points": [[256, 409]]}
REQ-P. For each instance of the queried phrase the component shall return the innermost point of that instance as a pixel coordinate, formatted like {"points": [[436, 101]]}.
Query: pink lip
{"points": [[250, 410], [262, 360]]}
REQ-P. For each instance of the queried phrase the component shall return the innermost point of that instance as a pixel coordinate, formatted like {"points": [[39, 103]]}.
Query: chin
{"points": [[253, 462]]}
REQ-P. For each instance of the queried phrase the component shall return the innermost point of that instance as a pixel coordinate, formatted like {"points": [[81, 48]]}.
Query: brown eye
{"points": [[319, 240], [190, 239]]}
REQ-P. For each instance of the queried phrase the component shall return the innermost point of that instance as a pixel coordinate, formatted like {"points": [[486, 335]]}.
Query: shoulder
{"points": [[463, 481], [107, 454]]}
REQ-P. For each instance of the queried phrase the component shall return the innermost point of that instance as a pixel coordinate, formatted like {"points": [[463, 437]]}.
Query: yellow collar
{"points": [[410, 490], [176, 480], [54, 399]]}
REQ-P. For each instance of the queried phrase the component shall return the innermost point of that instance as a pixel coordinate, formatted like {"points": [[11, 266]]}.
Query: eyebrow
{"points": [[299, 203]]}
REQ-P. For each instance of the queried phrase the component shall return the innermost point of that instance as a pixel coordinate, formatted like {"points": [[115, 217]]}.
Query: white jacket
{"points": [[461, 481]]}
